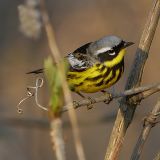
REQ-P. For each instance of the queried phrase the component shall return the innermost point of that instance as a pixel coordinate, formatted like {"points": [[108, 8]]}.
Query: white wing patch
{"points": [[76, 63]]}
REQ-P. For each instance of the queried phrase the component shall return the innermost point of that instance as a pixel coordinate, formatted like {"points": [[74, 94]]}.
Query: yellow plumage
{"points": [[100, 76], [95, 66]]}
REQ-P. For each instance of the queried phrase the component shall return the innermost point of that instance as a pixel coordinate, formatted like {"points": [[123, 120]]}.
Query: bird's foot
{"points": [[92, 101], [107, 94]]}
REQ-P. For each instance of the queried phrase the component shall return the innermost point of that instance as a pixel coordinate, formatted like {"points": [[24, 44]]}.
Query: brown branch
{"points": [[67, 96], [157, 156], [140, 92], [149, 122], [126, 113], [136, 94]]}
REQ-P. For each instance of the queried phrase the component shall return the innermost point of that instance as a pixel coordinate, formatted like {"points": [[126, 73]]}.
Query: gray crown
{"points": [[107, 41]]}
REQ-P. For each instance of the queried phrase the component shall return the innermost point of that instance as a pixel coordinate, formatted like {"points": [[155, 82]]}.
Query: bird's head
{"points": [[109, 49]]}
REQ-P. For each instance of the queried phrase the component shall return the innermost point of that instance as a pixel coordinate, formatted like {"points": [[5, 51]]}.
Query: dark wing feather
{"points": [[82, 49], [80, 60], [36, 71]]}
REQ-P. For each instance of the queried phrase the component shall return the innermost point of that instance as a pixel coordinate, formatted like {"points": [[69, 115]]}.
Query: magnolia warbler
{"points": [[95, 66]]}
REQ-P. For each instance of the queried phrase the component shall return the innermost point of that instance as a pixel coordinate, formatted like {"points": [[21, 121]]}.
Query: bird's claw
{"points": [[110, 96], [92, 101]]}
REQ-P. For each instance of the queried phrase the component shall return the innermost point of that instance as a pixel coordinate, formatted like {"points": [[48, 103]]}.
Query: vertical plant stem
{"points": [[67, 96], [145, 132], [57, 138], [126, 111], [157, 156]]}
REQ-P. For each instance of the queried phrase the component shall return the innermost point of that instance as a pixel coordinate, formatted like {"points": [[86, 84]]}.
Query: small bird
{"points": [[96, 66]]}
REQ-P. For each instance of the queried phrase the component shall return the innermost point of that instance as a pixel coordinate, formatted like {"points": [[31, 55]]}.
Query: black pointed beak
{"points": [[127, 44]]}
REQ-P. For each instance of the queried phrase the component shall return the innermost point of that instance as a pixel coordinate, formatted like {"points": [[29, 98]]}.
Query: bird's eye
{"points": [[111, 52]]}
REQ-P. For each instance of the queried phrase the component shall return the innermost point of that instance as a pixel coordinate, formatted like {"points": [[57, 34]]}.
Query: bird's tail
{"points": [[36, 71]]}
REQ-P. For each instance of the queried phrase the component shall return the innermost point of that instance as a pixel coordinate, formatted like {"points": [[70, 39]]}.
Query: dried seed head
{"points": [[30, 19], [32, 3]]}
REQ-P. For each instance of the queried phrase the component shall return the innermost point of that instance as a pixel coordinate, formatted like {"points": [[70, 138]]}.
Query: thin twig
{"points": [[157, 156], [127, 110], [67, 96], [149, 122], [138, 94], [142, 92]]}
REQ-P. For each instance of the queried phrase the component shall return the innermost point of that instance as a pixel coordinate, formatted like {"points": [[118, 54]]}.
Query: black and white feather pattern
{"points": [[105, 49], [80, 59]]}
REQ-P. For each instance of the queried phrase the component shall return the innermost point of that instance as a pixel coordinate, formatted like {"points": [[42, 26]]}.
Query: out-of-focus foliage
{"points": [[52, 74], [55, 85]]}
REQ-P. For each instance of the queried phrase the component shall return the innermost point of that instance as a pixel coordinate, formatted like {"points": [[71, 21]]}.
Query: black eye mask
{"points": [[110, 54], [106, 56]]}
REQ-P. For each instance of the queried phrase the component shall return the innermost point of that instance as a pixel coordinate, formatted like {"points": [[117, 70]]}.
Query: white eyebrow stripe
{"points": [[102, 50]]}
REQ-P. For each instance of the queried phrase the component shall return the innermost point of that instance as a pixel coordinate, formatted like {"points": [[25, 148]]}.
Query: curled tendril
{"points": [[30, 93]]}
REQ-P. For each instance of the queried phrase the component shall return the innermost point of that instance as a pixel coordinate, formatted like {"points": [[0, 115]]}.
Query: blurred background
{"points": [[26, 136]]}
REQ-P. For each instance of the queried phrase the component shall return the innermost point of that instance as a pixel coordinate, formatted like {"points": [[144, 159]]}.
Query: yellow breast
{"points": [[98, 77], [94, 79]]}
